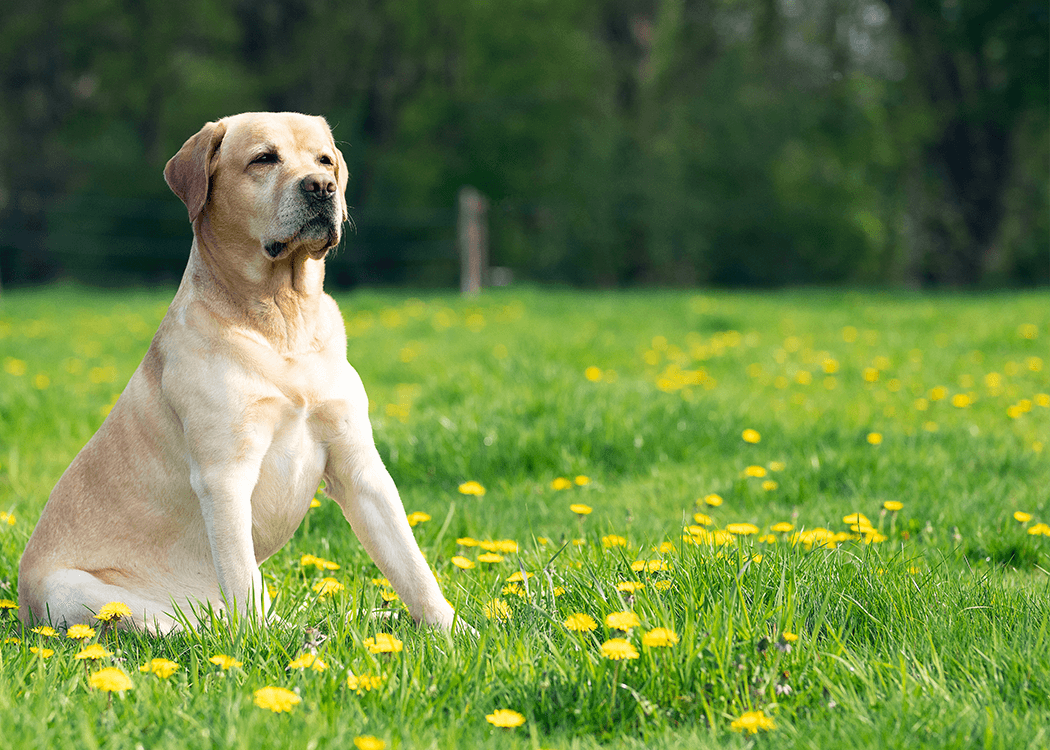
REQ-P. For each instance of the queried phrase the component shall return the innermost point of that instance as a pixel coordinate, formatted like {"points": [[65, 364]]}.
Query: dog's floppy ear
{"points": [[188, 173], [343, 177]]}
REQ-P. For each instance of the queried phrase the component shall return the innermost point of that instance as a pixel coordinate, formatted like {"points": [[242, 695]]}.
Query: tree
{"points": [[980, 67]]}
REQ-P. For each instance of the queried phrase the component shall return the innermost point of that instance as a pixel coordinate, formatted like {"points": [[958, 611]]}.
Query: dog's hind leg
{"points": [[68, 596]]}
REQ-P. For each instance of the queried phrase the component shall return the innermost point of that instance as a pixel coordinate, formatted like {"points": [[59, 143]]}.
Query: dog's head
{"points": [[274, 180]]}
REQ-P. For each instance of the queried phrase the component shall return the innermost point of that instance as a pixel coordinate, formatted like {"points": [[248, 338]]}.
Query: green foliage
{"points": [[673, 142]]}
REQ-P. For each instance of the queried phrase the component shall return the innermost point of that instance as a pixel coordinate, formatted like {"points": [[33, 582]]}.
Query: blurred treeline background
{"points": [[729, 142]]}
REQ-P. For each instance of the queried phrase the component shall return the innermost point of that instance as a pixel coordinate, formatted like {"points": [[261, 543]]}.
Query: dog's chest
{"points": [[288, 479]]}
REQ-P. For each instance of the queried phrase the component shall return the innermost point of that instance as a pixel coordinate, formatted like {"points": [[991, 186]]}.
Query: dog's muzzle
{"points": [[317, 216]]}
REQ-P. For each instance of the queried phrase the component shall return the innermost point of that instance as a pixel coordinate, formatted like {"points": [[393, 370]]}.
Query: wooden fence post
{"points": [[473, 241]]}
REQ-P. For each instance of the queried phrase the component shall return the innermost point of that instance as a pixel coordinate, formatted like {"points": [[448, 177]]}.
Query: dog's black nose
{"points": [[318, 186]]}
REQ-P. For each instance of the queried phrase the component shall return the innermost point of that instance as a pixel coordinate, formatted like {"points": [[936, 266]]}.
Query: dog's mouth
{"points": [[317, 235]]}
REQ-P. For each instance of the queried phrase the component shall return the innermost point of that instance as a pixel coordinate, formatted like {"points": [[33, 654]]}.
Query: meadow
{"points": [[805, 519]]}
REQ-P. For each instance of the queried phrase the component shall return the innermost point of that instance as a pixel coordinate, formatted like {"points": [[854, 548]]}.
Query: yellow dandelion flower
{"points": [[497, 610], [8, 604], [1022, 517], [961, 400], [276, 699], [368, 742], [505, 718], [858, 519], [713, 500], [315, 503], [938, 392], [751, 436], [326, 587], [113, 611], [561, 483], [893, 505], [580, 623], [163, 668], [618, 649], [362, 683], [782, 527], [751, 722], [466, 541], [506, 546], [463, 563], [517, 576], [741, 529], [308, 661], [490, 557], [383, 643], [777, 465], [613, 540], [661, 585], [875, 438], [43, 653], [629, 587], [46, 630], [648, 566], [703, 519], [755, 471], [225, 662], [418, 517], [1039, 528], [582, 480], [789, 637], [80, 632], [318, 562], [110, 680], [722, 538], [593, 374], [580, 509], [769, 485], [622, 620], [472, 488], [660, 638], [93, 652]]}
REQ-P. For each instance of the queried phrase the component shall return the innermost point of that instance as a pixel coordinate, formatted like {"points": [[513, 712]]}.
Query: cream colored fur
{"points": [[243, 403]]}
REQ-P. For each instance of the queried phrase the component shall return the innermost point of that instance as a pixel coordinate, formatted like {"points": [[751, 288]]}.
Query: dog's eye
{"points": [[270, 157], [326, 160]]}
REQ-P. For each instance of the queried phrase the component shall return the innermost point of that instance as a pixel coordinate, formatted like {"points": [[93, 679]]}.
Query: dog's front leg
{"points": [[357, 479], [224, 485]]}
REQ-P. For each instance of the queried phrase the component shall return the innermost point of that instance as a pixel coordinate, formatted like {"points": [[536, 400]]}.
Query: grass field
{"points": [[724, 445]]}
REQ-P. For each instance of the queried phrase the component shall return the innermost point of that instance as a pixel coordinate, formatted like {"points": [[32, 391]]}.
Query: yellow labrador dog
{"points": [[243, 403]]}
